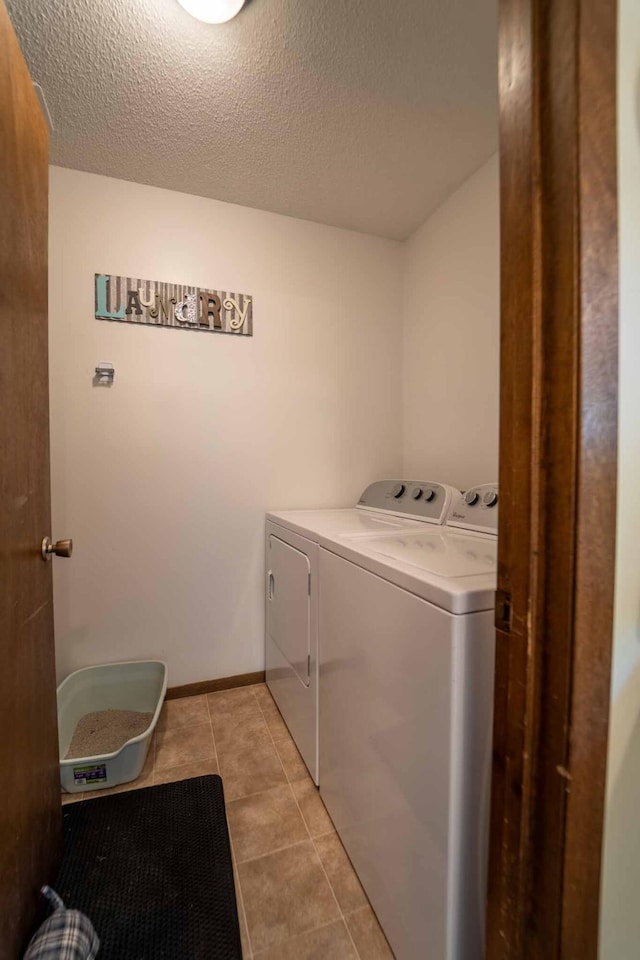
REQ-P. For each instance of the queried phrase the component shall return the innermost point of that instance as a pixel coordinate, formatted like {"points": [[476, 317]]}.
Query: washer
{"points": [[291, 635], [406, 705]]}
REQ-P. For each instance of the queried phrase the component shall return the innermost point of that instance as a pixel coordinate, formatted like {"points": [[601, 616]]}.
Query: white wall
{"points": [[163, 480], [452, 333], [620, 926]]}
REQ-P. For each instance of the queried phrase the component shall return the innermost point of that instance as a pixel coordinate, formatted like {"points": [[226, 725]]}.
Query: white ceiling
{"points": [[364, 114]]}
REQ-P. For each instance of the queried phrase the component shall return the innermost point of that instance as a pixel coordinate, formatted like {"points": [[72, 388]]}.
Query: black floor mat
{"points": [[152, 869]]}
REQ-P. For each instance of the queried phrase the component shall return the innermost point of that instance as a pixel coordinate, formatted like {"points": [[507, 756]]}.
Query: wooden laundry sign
{"points": [[172, 305]]}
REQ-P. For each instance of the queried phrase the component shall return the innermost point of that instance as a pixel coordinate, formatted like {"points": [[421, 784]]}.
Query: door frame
{"points": [[558, 460]]}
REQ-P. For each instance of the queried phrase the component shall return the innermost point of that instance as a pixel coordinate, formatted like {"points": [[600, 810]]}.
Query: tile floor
{"points": [[298, 895]]}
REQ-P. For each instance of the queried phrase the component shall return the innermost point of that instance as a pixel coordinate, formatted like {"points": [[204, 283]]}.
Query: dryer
{"points": [[292, 588], [406, 705]]}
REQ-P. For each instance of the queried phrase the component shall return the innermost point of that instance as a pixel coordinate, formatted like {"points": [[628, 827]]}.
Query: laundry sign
{"points": [[172, 305]]}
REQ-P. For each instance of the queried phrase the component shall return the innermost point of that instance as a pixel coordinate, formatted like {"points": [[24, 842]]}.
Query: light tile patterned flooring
{"points": [[298, 895]]}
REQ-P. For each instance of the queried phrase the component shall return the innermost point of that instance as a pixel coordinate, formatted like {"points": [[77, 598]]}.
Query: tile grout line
{"points": [[342, 913], [256, 793], [213, 736], [234, 858], [326, 875], [321, 926], [185, 726], [242, 907], [184, 763], [340, 910], [243, 797], [306, 826], [261, 856]]}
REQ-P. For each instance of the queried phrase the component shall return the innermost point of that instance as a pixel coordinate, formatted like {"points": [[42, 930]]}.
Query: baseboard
{"points": [[212, 686]]}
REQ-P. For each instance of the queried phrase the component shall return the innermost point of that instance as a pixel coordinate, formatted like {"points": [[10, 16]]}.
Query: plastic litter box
{"points": [[134, 685]]}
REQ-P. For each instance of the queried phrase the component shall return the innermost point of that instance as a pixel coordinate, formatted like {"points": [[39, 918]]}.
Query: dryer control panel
{"points": [[476, 509], [415, 499]]}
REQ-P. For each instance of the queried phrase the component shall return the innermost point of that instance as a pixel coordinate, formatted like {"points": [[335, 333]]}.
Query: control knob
{"points": [[490, 498], [398, 490], [471, 497], [416, 493], [429, 493]]}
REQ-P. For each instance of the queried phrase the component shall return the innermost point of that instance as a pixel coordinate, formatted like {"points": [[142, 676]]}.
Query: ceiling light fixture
{"points": [[212, 11]]}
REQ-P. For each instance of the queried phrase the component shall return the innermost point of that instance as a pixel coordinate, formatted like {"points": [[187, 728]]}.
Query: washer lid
{"points": [[452, 555], [454, 570]]}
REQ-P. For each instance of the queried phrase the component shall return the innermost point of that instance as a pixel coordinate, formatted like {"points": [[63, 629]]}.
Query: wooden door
{"points": [[30, 812], [558, 438]]}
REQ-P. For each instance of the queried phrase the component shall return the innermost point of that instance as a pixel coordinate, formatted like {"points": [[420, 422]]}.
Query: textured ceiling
{"points": [[364, 114]]}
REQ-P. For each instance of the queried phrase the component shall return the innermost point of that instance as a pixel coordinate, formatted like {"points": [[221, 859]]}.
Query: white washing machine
{"points": [[292, 592], [406, 705]]}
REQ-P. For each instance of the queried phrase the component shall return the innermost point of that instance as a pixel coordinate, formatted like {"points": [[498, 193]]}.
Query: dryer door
{"points": [[288, 605]]}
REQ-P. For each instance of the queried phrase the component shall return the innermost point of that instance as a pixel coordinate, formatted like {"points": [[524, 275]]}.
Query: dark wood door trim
{"points": [[214, 686], [557, 474]]}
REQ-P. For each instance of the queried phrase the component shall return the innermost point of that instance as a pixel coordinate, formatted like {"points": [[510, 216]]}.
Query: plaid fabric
{"points": [[65, 935]]}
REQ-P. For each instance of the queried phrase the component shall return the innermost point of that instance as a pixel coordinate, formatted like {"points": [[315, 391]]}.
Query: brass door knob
{"points": [[61, 548]]}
